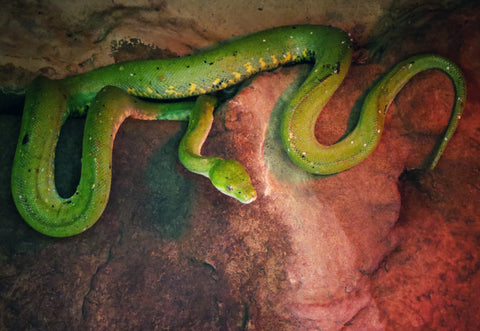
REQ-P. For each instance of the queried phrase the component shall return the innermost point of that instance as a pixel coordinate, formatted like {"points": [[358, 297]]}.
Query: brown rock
{"points": [[372, 248]]}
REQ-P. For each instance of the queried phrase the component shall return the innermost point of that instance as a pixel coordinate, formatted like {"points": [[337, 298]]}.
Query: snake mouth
{"points": [[249, 198], [243, 196]]}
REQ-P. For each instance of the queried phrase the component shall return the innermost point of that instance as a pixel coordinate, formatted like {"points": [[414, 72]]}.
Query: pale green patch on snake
{"points": [[104, 93]]}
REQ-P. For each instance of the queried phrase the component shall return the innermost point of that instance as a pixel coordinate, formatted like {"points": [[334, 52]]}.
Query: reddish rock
{"points": [[376, 247]]}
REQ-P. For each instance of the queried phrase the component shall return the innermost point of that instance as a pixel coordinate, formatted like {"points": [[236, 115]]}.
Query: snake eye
{"points": [[229, 188]]}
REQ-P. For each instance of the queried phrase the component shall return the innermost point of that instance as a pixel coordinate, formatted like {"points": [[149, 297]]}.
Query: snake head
{"points": [[230, 178]]}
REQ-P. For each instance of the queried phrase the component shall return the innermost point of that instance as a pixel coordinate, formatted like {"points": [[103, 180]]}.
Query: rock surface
{"points": [[376, 247]]}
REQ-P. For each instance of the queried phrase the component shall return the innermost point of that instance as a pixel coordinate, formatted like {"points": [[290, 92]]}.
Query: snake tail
{"points": [[298, 125]]}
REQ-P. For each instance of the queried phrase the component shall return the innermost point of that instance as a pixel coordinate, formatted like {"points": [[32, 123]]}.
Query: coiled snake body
{"points": [[111, 95]]}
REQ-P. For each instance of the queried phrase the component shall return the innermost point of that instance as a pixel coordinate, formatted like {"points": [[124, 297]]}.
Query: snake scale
{"points": [[115, 92]]}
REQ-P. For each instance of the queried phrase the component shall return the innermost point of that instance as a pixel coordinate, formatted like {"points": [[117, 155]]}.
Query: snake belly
{"points": [[48, 104]]}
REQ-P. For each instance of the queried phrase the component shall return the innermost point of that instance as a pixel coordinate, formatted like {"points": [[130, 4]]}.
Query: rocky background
{"points": [[379, 247]]}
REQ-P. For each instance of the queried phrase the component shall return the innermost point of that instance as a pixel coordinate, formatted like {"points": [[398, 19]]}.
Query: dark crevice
{"points": [[100, 267], [68, 154]]}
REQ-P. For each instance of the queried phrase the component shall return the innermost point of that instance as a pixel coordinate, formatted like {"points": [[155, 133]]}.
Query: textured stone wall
{"points": [[377, 247]]}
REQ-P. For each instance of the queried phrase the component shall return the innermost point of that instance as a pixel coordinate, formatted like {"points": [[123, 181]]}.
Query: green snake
{"points": [[115, 92]]}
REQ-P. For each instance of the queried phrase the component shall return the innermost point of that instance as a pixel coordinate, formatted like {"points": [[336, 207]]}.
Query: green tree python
{"points": [[115, 92]]}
